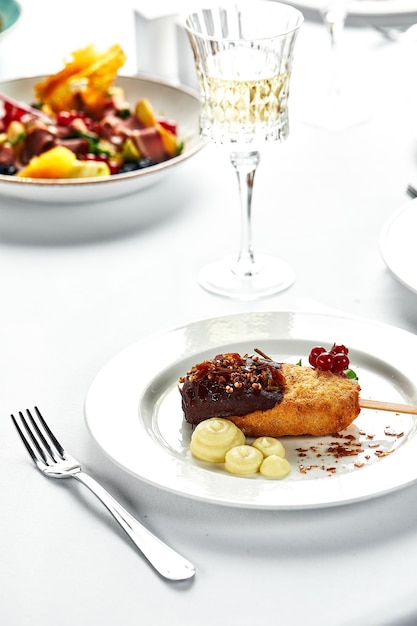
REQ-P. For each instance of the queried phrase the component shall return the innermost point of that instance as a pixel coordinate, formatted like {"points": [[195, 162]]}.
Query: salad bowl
{"points": [[170, 101]]}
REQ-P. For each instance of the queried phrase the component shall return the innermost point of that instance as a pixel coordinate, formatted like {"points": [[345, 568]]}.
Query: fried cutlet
{"points": [[266, 398]]}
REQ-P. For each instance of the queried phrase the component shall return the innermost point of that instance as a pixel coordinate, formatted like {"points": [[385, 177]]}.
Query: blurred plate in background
{"points": [[366, 7], [398, 247]]}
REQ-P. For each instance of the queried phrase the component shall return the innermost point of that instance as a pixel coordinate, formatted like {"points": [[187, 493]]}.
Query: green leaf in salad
{"points": [[124, 113], [91, 139], [20, 137], [180, 148], [95, 143]]}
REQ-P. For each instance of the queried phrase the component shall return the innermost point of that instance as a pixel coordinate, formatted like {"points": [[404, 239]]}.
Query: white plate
{"points": [[172, 102], [366, 7], [133, 411], [398, 244]]}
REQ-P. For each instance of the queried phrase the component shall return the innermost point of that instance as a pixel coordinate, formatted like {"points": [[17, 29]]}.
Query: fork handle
{"points": [[164, 559]]}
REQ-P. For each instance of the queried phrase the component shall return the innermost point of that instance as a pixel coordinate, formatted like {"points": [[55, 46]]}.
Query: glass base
{"points": [[269, 276]]}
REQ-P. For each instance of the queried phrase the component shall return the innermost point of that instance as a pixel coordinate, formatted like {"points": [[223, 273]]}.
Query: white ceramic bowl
{"points": [[173, 102], [10, 14]]}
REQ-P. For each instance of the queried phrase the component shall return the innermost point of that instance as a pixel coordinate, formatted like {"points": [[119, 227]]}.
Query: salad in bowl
{"points": [[86, 128]]}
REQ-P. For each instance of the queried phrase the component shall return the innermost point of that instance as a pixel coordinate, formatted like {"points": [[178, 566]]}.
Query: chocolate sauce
{"points": [[229, 385]]}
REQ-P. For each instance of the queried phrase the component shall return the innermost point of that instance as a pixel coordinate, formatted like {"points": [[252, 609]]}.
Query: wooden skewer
{"points": [[388, 406]]}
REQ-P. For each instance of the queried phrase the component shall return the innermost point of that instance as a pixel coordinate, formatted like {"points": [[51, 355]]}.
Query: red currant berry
{"points": [[339, 348], [324, 361], [340, 363], [312, 359]]}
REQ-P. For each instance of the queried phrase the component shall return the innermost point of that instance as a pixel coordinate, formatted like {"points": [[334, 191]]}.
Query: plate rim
{"points": [[410, 205], [371, 8], [345, 495]]}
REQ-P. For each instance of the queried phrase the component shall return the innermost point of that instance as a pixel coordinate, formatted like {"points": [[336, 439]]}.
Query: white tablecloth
{"points": [[79, 284]]}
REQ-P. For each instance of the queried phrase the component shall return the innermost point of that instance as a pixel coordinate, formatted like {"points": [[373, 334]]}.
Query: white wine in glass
{"points": [[243, 56]]}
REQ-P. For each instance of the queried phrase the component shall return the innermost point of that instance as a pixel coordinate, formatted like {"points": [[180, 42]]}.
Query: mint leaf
{"points": [[351, 375]]}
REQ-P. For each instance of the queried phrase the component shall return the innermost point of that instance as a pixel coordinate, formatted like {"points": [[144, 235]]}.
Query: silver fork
{"points": [[52, 460]]}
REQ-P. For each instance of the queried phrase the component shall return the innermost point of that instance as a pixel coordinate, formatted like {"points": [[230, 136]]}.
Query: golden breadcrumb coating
{"points": [[314, 403]]}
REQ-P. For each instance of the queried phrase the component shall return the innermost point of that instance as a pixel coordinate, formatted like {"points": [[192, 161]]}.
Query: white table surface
{"points": [[78, 284]]}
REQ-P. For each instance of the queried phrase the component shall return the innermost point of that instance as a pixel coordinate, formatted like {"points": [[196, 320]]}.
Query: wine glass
{"points": [[337, 108], [243, 58]]}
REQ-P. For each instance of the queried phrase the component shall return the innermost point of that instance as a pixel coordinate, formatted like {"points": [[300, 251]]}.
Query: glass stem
{"points": [[245, 164], [335, 18]]}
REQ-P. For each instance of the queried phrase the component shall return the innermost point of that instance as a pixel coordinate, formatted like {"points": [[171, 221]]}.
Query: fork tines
{"points": [[51, 459], [36, 436]]}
